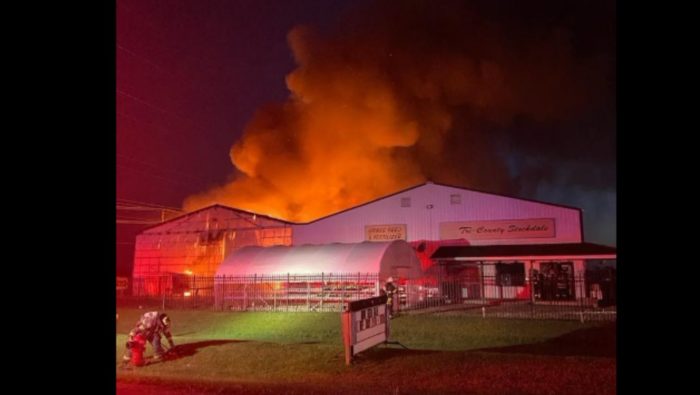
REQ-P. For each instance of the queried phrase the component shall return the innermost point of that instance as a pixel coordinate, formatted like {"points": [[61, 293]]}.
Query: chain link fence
{"points": [[582, 297]]}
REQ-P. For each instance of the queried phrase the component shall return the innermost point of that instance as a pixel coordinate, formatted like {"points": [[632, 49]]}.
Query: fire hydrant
{"points": [[138, 346]]}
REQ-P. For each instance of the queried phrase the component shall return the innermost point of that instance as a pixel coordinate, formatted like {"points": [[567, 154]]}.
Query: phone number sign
{"points": [[385, 232]]}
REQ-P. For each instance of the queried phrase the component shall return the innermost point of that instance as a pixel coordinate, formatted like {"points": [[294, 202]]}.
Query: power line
{"points": [[146, 204], [143, 213], [142, 101], [159, 215], [152, 217], [159, 168], [189, 124], [155, 31], [167, 133], [136, 222], [127, 50], [136, 208], [172, 181], [128, 117]]}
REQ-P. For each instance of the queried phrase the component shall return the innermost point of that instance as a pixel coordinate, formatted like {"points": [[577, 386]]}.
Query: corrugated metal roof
{"points": [[354, 207], [442, 185], [367, 257], [213, 207]]}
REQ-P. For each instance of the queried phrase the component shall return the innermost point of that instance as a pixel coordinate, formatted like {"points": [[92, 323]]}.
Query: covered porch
{"points": [[541, 274]]}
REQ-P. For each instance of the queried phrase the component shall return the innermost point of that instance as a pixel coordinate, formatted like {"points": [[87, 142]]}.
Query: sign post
{"points": [[364, 324]]}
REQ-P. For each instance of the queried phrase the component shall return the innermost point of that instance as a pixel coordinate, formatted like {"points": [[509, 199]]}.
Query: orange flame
{"points": [[379, 110]]}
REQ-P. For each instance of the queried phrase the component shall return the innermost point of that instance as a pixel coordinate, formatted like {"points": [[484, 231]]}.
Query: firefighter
{"points": [[390, 290], [151, 326]]}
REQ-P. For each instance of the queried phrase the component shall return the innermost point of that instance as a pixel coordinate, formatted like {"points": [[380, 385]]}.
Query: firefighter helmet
{"points": [[165, 319]]}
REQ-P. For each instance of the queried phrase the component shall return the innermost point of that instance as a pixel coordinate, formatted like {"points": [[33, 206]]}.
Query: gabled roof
{"points": [[235, 210], [442, 185], [531, 251], [354, 207]]}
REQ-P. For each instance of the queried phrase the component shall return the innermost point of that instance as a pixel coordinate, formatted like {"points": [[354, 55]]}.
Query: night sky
{"points": [[533, 117]]}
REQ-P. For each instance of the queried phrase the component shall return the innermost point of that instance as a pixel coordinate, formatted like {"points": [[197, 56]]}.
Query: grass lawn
{"points": [[260, 352]]}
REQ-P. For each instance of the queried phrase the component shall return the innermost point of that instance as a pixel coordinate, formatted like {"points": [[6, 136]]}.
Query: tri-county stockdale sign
{"points": [[502, 229]]}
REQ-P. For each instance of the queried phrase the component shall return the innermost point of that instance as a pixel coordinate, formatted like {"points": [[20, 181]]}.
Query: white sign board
{"points": [[365, 325], [498, 230], [385, 232]]}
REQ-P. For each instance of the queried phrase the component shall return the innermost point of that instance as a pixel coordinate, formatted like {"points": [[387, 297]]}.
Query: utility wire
{"points": [[170, 180], [159, 168], [127, 50], [145, 204]]}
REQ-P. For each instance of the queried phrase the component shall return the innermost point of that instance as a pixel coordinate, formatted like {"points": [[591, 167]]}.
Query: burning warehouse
{"points": [[501, 98], [437, 241]]}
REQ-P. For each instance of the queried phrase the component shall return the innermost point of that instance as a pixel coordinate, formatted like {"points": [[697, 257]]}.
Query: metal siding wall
{"points": [[423, 223]]}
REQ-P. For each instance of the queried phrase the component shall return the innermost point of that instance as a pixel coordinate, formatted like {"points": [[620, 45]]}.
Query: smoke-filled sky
{"points": [[299, 108]]}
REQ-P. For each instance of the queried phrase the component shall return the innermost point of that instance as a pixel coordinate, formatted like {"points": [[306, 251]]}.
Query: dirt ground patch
{"points": [[476, 372]]}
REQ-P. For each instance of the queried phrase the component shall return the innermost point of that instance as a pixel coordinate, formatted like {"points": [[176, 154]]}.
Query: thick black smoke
{"points": [[500, 96]]}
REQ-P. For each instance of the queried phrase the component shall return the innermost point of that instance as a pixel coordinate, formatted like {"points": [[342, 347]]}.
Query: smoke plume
{"points": [[405, 91]]}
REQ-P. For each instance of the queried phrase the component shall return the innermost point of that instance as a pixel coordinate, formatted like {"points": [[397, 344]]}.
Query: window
{"points": [[456, 199], [406, 202], [510, 274]]}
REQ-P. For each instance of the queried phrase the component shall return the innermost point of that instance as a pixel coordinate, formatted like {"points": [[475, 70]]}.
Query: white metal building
{"points": [[430, 217], [440, 212]]}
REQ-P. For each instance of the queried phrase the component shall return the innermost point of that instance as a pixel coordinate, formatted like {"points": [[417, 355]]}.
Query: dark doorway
{"points": [[555, 281]]}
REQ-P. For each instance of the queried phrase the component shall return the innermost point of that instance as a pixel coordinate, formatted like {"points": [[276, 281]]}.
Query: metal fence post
{"points": [[580, 294], [483, 291], [162, 290], [242, 292], [274, 294], [531, 285]]}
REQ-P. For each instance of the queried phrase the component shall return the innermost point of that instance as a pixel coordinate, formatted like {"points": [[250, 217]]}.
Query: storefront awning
{"points": [[565, 251]]}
